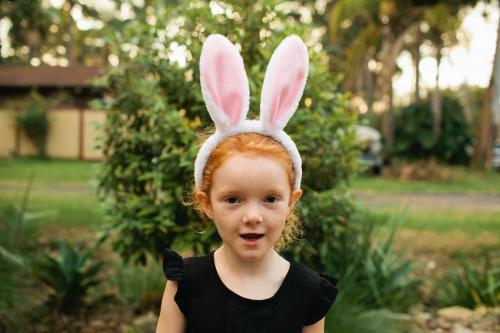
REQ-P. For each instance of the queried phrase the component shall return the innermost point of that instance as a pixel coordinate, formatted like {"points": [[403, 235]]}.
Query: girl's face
{"points": [[250, 199]]}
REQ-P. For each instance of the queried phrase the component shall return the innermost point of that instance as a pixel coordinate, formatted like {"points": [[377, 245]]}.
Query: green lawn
{"points": [[61, 209], [50, 171], [468, 182]]}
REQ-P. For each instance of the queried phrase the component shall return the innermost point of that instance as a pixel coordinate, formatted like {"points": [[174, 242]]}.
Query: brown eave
{"points": [[48, 76]]}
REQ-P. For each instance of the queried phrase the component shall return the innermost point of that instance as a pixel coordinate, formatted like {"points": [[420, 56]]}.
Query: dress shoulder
{"points": [[324, 292], [187, 272], [173, 265]]}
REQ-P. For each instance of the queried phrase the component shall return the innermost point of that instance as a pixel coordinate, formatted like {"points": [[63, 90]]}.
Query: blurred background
{"points": [[101, 114]]}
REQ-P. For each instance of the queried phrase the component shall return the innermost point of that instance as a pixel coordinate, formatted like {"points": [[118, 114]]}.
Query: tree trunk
{"points": [[416, 59], [484, 142], [495, 102], [465, 90], [489, 121], [369, 86], [391, 48], [436, 104], [384, 83]]}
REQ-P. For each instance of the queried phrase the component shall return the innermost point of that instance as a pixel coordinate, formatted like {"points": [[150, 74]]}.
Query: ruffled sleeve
{"points": [[325, 295], [173, 266]]}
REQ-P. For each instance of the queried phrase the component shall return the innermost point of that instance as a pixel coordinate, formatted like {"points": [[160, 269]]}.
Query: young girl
{"points": [[247, 181]]}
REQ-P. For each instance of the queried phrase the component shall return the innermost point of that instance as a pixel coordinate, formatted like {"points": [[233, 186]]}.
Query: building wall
{"points": [[73, 134], [7, 133]]}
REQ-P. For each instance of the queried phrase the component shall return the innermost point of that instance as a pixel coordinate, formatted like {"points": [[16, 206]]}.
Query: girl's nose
{"points": [[252, 215]]}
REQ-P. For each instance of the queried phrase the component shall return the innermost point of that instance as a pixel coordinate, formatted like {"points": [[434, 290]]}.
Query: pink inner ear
{"points": [[226, 83], [284, 92]]}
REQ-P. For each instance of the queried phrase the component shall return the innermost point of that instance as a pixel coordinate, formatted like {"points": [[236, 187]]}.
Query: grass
{"points": [[47, 171], [62, 209], [73, 203], [469, 182]]}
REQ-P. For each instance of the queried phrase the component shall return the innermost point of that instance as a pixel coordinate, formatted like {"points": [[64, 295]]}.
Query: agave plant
{"points": [[376, 286], [69, 275], [17, 236], [472, 285]]}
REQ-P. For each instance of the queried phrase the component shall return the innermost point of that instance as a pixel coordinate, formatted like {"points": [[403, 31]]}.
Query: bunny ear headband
{"points": [[224, 86]]}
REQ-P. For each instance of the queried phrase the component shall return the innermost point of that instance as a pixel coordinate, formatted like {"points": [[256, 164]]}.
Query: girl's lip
{"points": [[251, 234], [251, 239]]}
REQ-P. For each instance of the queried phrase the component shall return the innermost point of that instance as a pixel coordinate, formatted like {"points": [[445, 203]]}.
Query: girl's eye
{"points": [[232, 200], [271, 199]]}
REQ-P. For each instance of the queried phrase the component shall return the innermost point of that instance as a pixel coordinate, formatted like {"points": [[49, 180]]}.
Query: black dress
{"points": [[303, 298]]}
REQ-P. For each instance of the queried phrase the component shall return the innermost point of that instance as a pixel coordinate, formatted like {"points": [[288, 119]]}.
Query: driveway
{"points": [[432, 201]]}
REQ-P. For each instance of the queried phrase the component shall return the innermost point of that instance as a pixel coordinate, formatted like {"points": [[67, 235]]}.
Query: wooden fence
{"points": [[73, 134]]}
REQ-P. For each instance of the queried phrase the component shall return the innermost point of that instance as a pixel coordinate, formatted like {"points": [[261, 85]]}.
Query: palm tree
{"points": [[383, 26]]}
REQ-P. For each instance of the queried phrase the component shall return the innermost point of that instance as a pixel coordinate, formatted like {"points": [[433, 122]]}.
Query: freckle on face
{"points": [[242, 171], [253, 178]]}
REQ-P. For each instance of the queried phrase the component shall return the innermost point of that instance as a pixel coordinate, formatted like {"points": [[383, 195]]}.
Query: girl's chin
{"points": [[253, 254]]}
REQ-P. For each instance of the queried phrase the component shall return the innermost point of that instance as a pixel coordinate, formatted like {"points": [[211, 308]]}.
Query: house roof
{"points": [[48, 76]]}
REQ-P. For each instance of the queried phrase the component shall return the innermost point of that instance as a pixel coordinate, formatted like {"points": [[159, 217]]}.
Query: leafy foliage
{"points": [[17, 236], [414, 136], [156, 109], [140, 286], [34, 121], [371, 277], [69, 275], [472, 285]]}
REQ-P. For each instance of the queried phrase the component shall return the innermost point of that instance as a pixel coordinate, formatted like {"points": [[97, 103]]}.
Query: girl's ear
{"points": [[284, 83], [204, 201], [224, 83], [294, 198]]}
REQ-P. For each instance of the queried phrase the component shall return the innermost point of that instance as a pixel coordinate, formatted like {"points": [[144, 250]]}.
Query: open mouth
{"points": [[252, 237]]}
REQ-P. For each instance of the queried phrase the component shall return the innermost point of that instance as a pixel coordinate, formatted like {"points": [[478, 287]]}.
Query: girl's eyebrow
{"points": [[237, 191], [275, 191]]}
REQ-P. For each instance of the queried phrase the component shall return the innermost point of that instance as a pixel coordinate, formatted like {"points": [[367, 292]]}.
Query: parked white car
{"points": [[496, 156], [371, 142]]}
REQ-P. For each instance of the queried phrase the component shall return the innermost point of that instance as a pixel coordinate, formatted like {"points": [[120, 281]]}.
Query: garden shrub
{"points": [[33, 119], [414, 133], [140, 286], [155, 111]]}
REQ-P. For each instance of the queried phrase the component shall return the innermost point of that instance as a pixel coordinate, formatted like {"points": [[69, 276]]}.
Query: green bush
{"points": [[33, 119], [156, 109], [414, 133], [140, 286]]}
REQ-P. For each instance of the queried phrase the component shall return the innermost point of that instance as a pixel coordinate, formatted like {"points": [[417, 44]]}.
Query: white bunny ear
{"points": [[224, 83], [284, 83]]}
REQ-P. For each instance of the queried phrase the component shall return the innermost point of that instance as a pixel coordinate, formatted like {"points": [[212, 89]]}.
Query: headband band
{"points": [[224, 86]]}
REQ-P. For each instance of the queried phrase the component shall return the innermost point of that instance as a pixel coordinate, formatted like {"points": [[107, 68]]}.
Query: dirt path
{"points": [[432, 201]]}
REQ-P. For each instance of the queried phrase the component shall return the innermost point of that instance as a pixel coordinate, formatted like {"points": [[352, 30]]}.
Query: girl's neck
{"points": [[247, 268]]}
